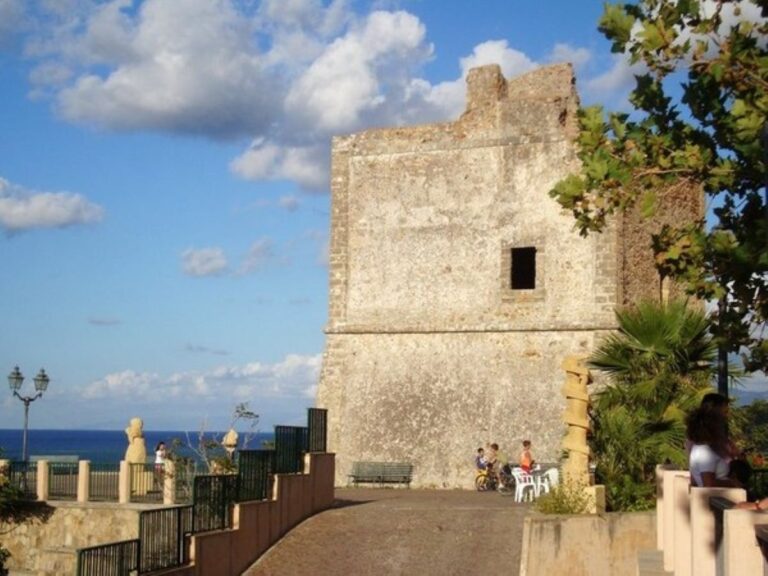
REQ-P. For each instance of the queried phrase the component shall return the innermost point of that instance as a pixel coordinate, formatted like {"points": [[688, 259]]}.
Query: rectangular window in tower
{"points": [[523, 268]]}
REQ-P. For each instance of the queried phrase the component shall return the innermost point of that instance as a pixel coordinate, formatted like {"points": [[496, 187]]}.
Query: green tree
{"points": [[749, 426], [701, 122], [659, 365]]}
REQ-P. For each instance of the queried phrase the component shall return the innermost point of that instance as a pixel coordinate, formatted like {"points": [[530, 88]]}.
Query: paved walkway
{"points": [[398, 532]]}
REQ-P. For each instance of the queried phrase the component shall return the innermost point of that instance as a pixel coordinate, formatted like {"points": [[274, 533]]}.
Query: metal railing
{"points": [[164, 534], [255, 474], [291, 442], [317, 423], [116, 559], [213, 499], [62, 480], [104, 480], [758, 483], [23, 475]]}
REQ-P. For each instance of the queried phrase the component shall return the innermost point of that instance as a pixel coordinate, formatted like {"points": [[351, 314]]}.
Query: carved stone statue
{"points": [[576, 467], [136, 452], [230, 442]]}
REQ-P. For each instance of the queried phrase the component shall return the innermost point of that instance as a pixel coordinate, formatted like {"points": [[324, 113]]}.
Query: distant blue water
{"points": [[95, 445]]}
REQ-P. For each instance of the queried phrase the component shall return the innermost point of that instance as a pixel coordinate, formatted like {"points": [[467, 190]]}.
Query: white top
{"points": [[160, 457], [704, 459]]}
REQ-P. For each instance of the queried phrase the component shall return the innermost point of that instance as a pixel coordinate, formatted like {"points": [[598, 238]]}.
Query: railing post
{"points": [[682, 523], [43, 480], [169, 483], [124, 483], [741, 543], [669, 508], [83, 480], [704, 528]]}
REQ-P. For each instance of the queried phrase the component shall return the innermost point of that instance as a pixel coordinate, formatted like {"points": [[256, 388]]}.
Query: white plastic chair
{"points": [[524, 485], [544, 481]]}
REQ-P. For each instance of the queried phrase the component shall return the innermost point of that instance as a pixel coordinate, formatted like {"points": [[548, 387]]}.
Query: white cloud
{"points": [[193, 70], [203, 261], [22, 209], [258, 255], [291, 380], [11, 14], [121, 384], [289, 203], [567, 53], [286, 74]]}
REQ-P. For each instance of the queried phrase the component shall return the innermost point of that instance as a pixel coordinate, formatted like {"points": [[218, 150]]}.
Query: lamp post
{"points": [[15, 380]]}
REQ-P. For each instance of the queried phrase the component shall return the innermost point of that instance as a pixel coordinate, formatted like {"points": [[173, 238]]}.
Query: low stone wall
{"points": [[48, 545], [586, 545]]}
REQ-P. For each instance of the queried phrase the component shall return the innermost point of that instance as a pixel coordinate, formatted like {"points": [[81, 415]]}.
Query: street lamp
{"points": [[15, 380]]}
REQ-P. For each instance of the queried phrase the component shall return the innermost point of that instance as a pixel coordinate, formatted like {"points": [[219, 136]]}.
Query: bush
{"points": [[565, 498], [4, 555]]}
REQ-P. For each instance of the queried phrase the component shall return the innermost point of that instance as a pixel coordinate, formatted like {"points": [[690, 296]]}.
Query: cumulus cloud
{"points": [[289, 203], [257, 256], [203, 261], [23, 209], [284, 387], [11, 14], [103, 321], [286, 75], [567, 53]]}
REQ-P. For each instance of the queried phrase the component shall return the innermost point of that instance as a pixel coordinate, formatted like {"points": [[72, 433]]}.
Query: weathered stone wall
{"points": [[430, 353], [49, 546], [586, 545]]}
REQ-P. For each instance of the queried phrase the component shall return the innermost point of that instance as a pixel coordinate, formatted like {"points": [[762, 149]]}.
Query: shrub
{"points": [[565, 498]]}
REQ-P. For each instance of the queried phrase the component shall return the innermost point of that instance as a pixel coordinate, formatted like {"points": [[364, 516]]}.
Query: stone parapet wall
{"points": [[592, 545], [47, 546]]}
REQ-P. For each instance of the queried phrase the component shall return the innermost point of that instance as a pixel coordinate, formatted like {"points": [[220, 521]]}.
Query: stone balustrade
{"points": [[132, 479], [701, 531]]}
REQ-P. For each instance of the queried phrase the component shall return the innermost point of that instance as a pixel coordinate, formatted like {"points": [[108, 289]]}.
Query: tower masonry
{"points": [[458, 286]]}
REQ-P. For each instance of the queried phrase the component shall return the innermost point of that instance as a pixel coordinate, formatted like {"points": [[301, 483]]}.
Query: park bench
{"points": [[381, 473]]}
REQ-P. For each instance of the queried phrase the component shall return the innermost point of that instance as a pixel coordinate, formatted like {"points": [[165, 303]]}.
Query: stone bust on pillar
{"points": [[136, 453]]}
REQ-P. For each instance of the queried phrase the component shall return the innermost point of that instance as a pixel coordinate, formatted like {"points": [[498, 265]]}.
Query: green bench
{"points": [[381, 473]]}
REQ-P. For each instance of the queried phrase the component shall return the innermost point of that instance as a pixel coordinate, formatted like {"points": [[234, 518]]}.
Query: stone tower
{"points": [[458, 286]]}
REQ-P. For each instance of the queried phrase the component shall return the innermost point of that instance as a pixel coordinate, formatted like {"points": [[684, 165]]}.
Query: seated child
{"points": [[480, 462]]}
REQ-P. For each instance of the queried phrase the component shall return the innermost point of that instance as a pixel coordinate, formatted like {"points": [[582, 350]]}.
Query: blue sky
{"points": [[164, 207]]}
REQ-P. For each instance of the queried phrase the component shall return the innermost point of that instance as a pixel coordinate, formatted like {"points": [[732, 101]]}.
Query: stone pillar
{"points": [[169, 482], [703, 553], [43, 480], [741, 552], [682, 524], [576, 466], [576, 416], [84, 480], [124, 483], [670, 511]]}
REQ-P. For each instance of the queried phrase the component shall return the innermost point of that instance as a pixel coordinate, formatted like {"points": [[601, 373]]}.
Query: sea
{"points": [[103, 445]]}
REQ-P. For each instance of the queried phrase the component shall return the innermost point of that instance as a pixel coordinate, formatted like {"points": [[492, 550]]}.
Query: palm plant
{"points": [[659, 364]]}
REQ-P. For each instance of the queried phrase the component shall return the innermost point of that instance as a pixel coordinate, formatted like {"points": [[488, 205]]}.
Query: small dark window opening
{"points": [[523, 268]]}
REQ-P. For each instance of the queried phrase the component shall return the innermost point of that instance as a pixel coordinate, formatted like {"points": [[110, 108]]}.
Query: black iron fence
{"points": [[104, 480], [255, 470], [317, 422], [116, 559], [758, 483], [62, 480], [23, 476], [290, 446], [213, 499], [164, 534]]}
